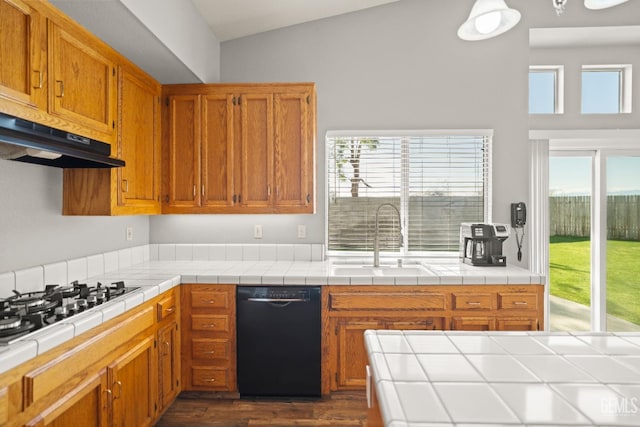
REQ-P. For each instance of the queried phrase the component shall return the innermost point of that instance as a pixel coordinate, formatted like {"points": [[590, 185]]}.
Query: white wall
{"points": [[398, 66], [33, 230]]}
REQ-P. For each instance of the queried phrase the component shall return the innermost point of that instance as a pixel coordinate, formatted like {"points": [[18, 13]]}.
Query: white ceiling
{"points": [[230, 19]]}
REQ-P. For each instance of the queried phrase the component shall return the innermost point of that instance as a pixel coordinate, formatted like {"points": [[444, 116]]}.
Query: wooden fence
{"points": [[571, 216]]}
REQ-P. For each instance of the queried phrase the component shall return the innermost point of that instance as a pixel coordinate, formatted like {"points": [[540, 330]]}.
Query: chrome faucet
{"points": [[376, 241]]}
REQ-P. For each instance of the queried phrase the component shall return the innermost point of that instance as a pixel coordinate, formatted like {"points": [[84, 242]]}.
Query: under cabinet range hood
{"points": [[29, 142]]}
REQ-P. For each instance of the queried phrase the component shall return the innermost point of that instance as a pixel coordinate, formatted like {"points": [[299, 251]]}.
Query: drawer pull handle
{"points": [[171, 309], [61, 83], [209, 325], [40, 79], [520, 303], [209, 380], [209, 352], [473, 303], [211, 301]]}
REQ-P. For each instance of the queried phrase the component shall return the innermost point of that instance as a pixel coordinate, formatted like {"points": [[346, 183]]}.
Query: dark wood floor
{"points": [[340, 409]]}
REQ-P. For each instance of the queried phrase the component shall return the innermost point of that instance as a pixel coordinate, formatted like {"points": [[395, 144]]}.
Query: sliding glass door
{"points": [[570, 203], [623, 243], [594, 248]]}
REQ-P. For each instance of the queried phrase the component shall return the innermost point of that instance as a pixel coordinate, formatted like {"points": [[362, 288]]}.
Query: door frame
{"points": [[601, 144]]}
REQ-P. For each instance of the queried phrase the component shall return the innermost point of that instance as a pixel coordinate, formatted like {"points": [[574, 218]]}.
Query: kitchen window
{"points": [[435, 179], [546, 89], [606, 89]]}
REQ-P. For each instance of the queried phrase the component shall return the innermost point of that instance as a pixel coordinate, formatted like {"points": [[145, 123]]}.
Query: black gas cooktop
{"points": [[23, 313]]}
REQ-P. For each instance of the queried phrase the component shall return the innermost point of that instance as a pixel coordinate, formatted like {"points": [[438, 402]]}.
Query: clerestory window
{"points": [[435, 179]]}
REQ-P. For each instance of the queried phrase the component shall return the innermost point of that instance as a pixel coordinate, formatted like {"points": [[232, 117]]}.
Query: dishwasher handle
{"points": [[276, 300]]}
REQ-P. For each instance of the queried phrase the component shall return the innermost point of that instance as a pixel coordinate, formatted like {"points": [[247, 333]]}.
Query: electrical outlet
{"points": [[129, 233], [257, 231], [302, 232]]}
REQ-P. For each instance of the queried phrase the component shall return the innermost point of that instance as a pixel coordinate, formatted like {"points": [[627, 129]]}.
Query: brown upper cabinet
{"points": [[54, 72], [134, 188], [23, 56], [239, 148]]}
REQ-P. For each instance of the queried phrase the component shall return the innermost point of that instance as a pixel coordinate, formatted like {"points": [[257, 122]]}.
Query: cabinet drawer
{"points": [[518, 301], [465, 301], [211, 323], [167, 307], [209, 299], [210, 377], [387, 301], [210, 349]]}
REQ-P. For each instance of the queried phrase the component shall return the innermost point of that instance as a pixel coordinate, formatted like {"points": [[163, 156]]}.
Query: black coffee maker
{"points": [[481, 244]]}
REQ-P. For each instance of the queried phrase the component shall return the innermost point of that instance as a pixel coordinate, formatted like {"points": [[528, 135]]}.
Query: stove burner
{"points": [[10, 322], [22, 313]]}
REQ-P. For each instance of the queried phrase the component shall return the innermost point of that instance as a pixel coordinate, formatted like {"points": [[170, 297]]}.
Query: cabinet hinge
{"points": [[155, 406], [114, 72], [308, 99], [233, 100], [166, 199], [166, 102], [155, 343], [113, 124], [336, 376], [238, 100], [335, 331]]}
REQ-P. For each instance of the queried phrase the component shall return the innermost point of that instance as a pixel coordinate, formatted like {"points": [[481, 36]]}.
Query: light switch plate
{"points": [[302, 231], [257, 231]]}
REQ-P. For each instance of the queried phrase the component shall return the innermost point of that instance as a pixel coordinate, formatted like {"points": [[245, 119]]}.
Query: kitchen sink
{"points": [[383, 270]]}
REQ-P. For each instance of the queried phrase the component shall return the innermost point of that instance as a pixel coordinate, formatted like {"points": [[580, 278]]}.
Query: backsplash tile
{"points": [[166, 252], [184, 252], [110, 261], [125, 258], [56, 274], [7, 281], [30, 279], [77, 269], [95, 265]]}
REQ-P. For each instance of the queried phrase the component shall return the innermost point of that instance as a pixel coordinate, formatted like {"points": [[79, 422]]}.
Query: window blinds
{"points": [[435, 181]]}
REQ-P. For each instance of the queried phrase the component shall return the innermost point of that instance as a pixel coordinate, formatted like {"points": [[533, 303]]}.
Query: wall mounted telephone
{"points": [[518, 214], [518, 221]]}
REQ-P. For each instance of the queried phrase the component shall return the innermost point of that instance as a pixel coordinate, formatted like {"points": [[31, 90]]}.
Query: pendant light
{"points": [[602, 4], [488, 18]]}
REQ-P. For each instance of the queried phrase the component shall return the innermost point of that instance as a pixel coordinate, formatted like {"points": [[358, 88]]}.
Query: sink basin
{"points": [[384, 270]]}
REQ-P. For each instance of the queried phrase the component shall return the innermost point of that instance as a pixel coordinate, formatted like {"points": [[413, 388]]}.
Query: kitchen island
{"points": [[456, 378]]}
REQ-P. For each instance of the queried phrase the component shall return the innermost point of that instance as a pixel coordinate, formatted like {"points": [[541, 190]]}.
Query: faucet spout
{"points": [[376, 241]]}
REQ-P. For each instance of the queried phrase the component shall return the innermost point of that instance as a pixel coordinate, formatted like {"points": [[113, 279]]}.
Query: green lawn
{"points": [[570, 271]]}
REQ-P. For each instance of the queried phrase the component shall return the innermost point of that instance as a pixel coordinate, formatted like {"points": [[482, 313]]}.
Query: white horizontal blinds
{"points": [[436, 182], [447, 178], [363, 174]]}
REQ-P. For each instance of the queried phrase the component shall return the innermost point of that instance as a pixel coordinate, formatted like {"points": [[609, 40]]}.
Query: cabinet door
{"points": [[82, 83], [86, 405], [293, 152], [474, 323], [23, 61], [132, 379], [255, 151], [139, 143], [184, 151], [217, 149], [352, 353], [169, 366]]}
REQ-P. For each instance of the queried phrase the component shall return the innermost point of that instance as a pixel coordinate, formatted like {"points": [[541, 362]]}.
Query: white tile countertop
{"points": [[481, 379], [155, 275]]}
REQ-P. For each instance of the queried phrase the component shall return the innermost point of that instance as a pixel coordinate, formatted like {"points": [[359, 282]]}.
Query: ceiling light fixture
{"points": [[602, 4], [559, 5], [488, 18]]}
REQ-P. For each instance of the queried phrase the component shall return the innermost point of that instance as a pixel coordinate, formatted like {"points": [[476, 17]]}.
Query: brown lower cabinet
{"points": [[209, 337], [350, 310], [121, 373], [128, 370]]}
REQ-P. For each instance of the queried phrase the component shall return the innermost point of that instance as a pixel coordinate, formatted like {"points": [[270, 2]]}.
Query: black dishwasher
{"points": [[279, 336]]}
